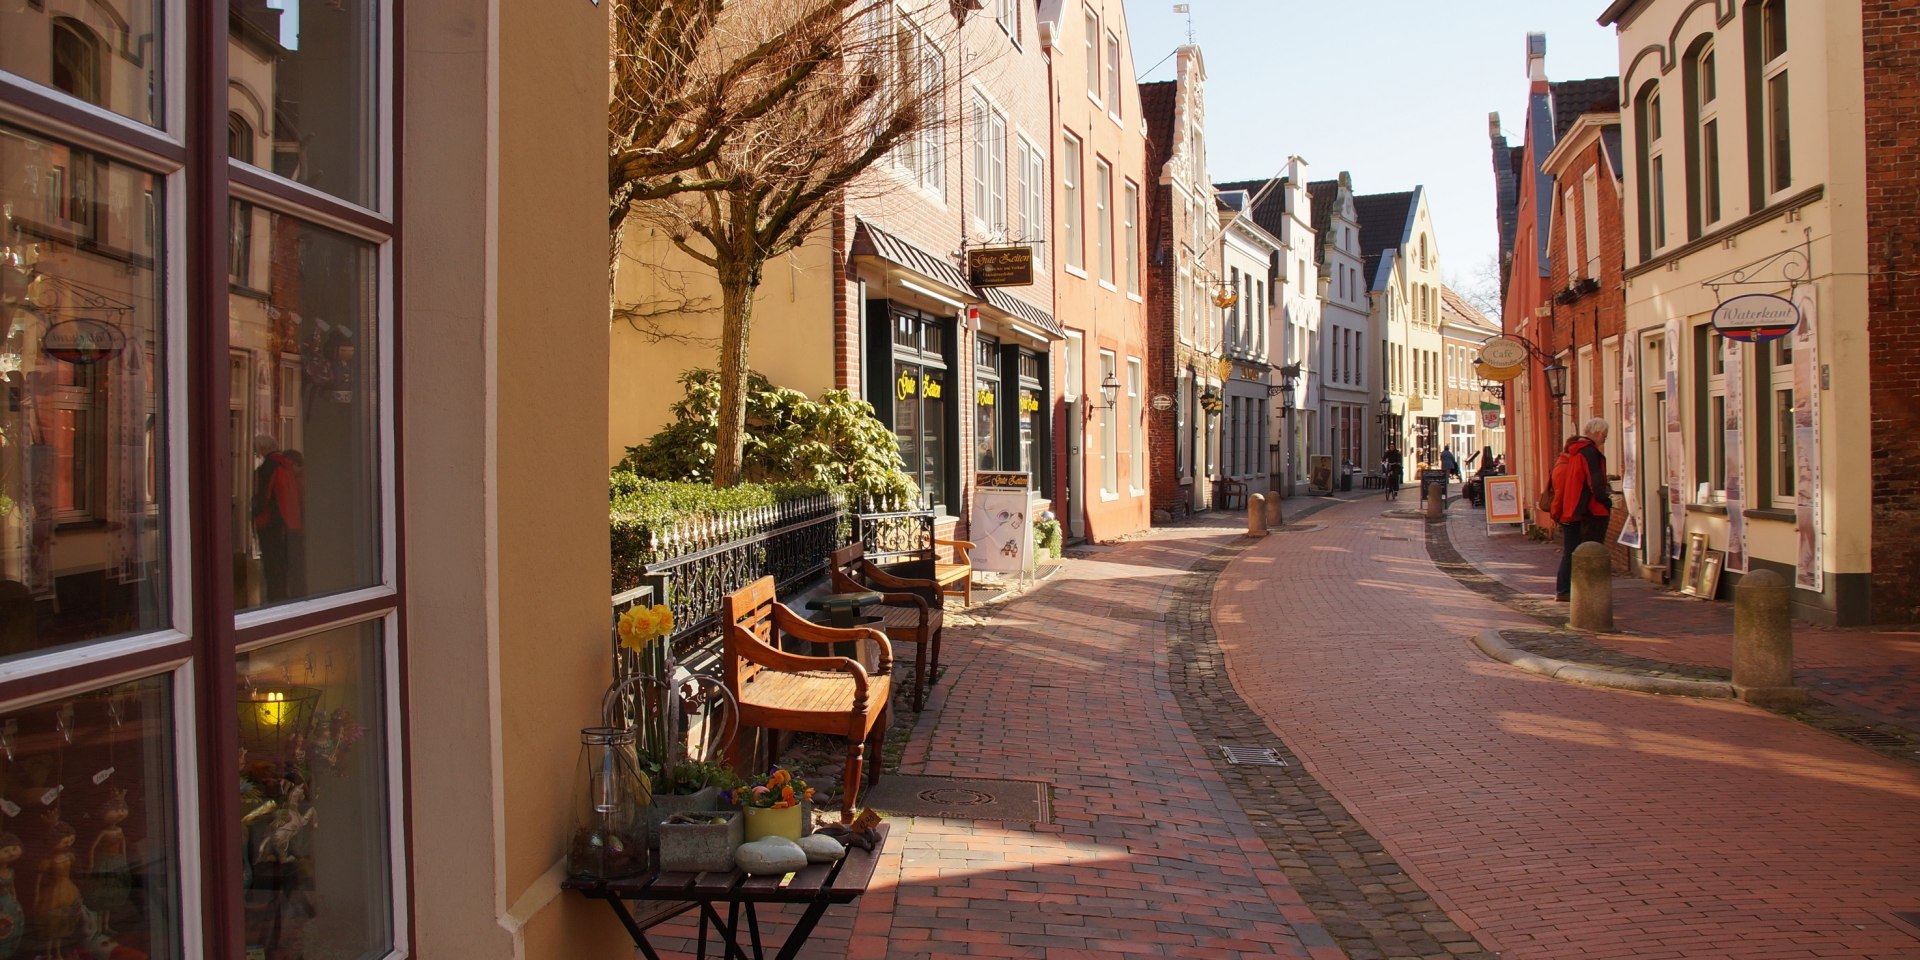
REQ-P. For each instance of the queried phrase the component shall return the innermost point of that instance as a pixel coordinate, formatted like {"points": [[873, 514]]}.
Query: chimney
{"points": [[1493, 126], [1536, 56]]}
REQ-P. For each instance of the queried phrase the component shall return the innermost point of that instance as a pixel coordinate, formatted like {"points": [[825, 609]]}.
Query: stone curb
{"points": [[1494, 645]]}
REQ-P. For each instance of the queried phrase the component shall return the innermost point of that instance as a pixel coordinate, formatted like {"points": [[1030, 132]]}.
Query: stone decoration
{"points": [[821, 848], [770, 856]]}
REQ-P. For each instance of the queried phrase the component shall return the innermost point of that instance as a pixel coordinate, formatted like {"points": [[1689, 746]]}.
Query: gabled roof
{"points": [[1271, 212], [1323, 195], [1451, 302], [1571, 98], [1383, 224]]}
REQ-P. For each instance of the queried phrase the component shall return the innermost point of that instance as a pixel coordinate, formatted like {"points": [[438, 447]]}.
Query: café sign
{"points": [[1000, 267], [1503, 352], [1756, 318]]}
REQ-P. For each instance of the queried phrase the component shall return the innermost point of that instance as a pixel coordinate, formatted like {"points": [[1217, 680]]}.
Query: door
{"points": [[1076, 475]]}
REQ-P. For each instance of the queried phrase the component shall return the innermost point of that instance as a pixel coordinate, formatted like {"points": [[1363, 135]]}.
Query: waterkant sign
{"points": [[83, 340], [1001, 267], [1756, 318]]}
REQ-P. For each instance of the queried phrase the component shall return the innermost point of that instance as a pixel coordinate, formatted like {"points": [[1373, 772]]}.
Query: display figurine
{"points": [[288, 822], [97, 942], [56, 901], [13, 919], [109, 877]]}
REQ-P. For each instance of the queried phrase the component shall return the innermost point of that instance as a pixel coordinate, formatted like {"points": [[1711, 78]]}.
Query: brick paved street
{"points": [[1552, 819], [1871, 672]]}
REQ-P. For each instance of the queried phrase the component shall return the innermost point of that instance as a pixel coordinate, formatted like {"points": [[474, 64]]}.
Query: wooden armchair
{"points": [[956, 578], [1230, 490], [778, 690], [910, 611]]}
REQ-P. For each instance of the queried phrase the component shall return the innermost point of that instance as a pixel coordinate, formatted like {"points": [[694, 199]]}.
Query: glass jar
{"points": [[609, 839]]}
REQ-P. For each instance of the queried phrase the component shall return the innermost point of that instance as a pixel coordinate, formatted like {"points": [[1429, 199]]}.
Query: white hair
{"points": [[1597, 427]]}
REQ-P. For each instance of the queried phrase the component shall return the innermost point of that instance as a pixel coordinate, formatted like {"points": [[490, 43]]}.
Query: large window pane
{"points": [[303, 411], [107, 54], [82, 429], [301, 92], [88, 846], [313, 758]]}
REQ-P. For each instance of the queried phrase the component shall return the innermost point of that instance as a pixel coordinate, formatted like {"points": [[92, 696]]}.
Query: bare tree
{"points": [[1481, 288], [778, 175]]}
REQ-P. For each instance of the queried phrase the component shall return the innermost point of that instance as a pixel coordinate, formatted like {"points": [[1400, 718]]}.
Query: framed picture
{"points": [[1708, 582], [1695, 559]]}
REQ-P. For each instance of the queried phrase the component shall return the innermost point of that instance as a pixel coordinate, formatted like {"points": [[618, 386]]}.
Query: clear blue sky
{"points": [[1395, 91]]}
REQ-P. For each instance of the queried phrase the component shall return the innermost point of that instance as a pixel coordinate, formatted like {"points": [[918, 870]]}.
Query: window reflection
{"points": [[87, 849], [82, 532], [301, 86], [316, 870], [103, 52], [301, 420]]}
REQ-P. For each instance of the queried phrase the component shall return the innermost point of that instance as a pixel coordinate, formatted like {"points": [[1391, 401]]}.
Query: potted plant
{"points": [[774, 805], [702, 841]]}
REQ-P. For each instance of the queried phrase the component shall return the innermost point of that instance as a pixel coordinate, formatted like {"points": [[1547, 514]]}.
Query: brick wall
{"points": [[1891, 41]]}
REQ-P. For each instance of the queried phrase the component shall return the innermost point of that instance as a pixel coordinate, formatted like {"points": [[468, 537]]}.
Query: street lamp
{"points": [[1386, 410], [1556, 374], [1110, 390], [1284, 389]]}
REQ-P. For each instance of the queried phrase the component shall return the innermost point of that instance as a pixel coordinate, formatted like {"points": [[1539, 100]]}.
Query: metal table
{"points": [[818, 886]]}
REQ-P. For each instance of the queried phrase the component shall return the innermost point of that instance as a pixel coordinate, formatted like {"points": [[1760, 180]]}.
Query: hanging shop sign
{"points": [[1756, 318], [1000, 267], [1498, 374], [1503, 352], [1161, 402], [1489, 414], [83, 340]]}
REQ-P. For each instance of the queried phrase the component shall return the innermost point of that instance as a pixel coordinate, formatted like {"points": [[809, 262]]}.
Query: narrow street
{"points": [[1557, 820]]}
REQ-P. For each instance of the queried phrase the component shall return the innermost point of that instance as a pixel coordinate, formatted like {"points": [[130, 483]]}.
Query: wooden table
{"points": [[818, 886]]}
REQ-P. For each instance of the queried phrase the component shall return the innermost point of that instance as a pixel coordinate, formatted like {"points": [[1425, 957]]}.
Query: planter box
{"points": [[698, 847], [667, 804]]}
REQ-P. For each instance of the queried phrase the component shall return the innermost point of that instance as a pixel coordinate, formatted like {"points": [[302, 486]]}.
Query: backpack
{"points": [[1544, 502]]}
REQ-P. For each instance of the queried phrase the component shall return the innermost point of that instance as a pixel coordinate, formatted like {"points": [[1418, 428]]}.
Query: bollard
{"points": [[1591, 606], [1436, 501], [1257, 515], [1763, 641], [1273, 510]]}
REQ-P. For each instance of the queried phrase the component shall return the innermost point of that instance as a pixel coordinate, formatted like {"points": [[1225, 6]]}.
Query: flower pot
{"points": [[773, 822], [667, 804], [696, 847]]}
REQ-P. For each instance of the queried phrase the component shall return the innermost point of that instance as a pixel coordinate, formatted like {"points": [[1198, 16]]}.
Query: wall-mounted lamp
{"points": [[1386, 410], [1289, 374], [1556, 374], [1110, 390]]}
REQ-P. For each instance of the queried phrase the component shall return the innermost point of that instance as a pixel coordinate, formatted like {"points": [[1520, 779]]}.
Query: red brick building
{"points": [[1891, 53]]}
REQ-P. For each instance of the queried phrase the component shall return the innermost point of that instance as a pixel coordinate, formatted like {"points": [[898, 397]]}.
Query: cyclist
{"points": [[1390, 468]]}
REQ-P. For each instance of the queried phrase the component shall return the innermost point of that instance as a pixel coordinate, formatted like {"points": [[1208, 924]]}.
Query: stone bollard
{"points": [[1591, 606], [1436, 501], [1257, 515], [1763, 641], [1273, 510]]}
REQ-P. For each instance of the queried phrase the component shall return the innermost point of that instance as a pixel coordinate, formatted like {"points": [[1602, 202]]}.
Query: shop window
{"points": [[321, 87], [312, 512], [1031, 417], [920, 395], [89, 850], [316, 867], [986, 404], [1710, 413], [1778, 471]]}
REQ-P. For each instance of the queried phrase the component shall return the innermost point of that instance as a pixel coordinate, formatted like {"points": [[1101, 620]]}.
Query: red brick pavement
{"points": [[1147, 854], [1560, 820], [1873, 672]]}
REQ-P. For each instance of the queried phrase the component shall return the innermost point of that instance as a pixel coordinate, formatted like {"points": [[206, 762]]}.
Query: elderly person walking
{"points": [[1581, 498]]}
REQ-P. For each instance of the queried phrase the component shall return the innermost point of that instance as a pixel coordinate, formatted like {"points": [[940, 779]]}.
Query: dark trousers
{"points": [[1573, 535], [283, 561]]}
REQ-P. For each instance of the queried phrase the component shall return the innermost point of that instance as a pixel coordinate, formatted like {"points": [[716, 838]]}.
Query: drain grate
{"points": [[1872, 737], [1256, 756]]}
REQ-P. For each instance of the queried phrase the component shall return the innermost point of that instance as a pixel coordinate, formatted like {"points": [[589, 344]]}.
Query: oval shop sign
{"points": [[1756, 318]]}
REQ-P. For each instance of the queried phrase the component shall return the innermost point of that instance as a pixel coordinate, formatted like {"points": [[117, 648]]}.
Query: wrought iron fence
{"points": [[889, 530]]}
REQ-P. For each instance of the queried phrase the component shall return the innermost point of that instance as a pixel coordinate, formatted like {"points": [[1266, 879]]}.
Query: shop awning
{"points": [[1021, 310], [881, 244]]}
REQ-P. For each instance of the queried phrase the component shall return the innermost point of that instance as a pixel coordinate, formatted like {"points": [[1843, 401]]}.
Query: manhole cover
{"points": [[1872, 737], [966, 798], [1255, 756], [955, 796]]}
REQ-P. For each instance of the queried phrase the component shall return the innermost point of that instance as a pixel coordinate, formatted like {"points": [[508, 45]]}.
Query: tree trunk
{"points": [[736, 318]]}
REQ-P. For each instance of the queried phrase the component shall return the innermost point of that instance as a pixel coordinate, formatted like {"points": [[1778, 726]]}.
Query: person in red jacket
{"points": [[278, 518], [1581, 498]]}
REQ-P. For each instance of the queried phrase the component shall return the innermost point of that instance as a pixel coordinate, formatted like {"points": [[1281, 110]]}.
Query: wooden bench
{"points": [[910, 610], [778, 690], [956, 578]]}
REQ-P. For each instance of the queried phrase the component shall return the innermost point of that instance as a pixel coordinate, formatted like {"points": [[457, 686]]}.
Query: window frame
{"points": [[1113, 49], [1109, 436], [195, 644], [1092, 49], [1136, 427], [1709, 411], [1103, 219], [1131, 232], [1073, 224]]}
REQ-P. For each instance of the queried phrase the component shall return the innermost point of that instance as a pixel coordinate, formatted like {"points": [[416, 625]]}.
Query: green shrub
{"points": [[1046, 537], [834, 441]]}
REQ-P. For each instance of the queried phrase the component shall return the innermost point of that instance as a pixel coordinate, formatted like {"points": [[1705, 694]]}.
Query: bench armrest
{"points": [[800, 628], [749, 647], [960, 548], [881, 578]]}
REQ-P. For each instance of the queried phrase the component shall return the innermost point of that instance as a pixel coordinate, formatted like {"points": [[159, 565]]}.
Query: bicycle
{"points": [[1391, 474]]}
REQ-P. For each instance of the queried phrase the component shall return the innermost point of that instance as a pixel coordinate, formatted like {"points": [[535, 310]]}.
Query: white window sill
{"points": [[1108, 497], [1080, 272], [1136, 491], [1136, 297], [1108, 285], [1122, 124], [1102, 104]]}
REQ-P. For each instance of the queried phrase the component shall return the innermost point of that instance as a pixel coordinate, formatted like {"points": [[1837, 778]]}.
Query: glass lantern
{"points": [[609, 839]]}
